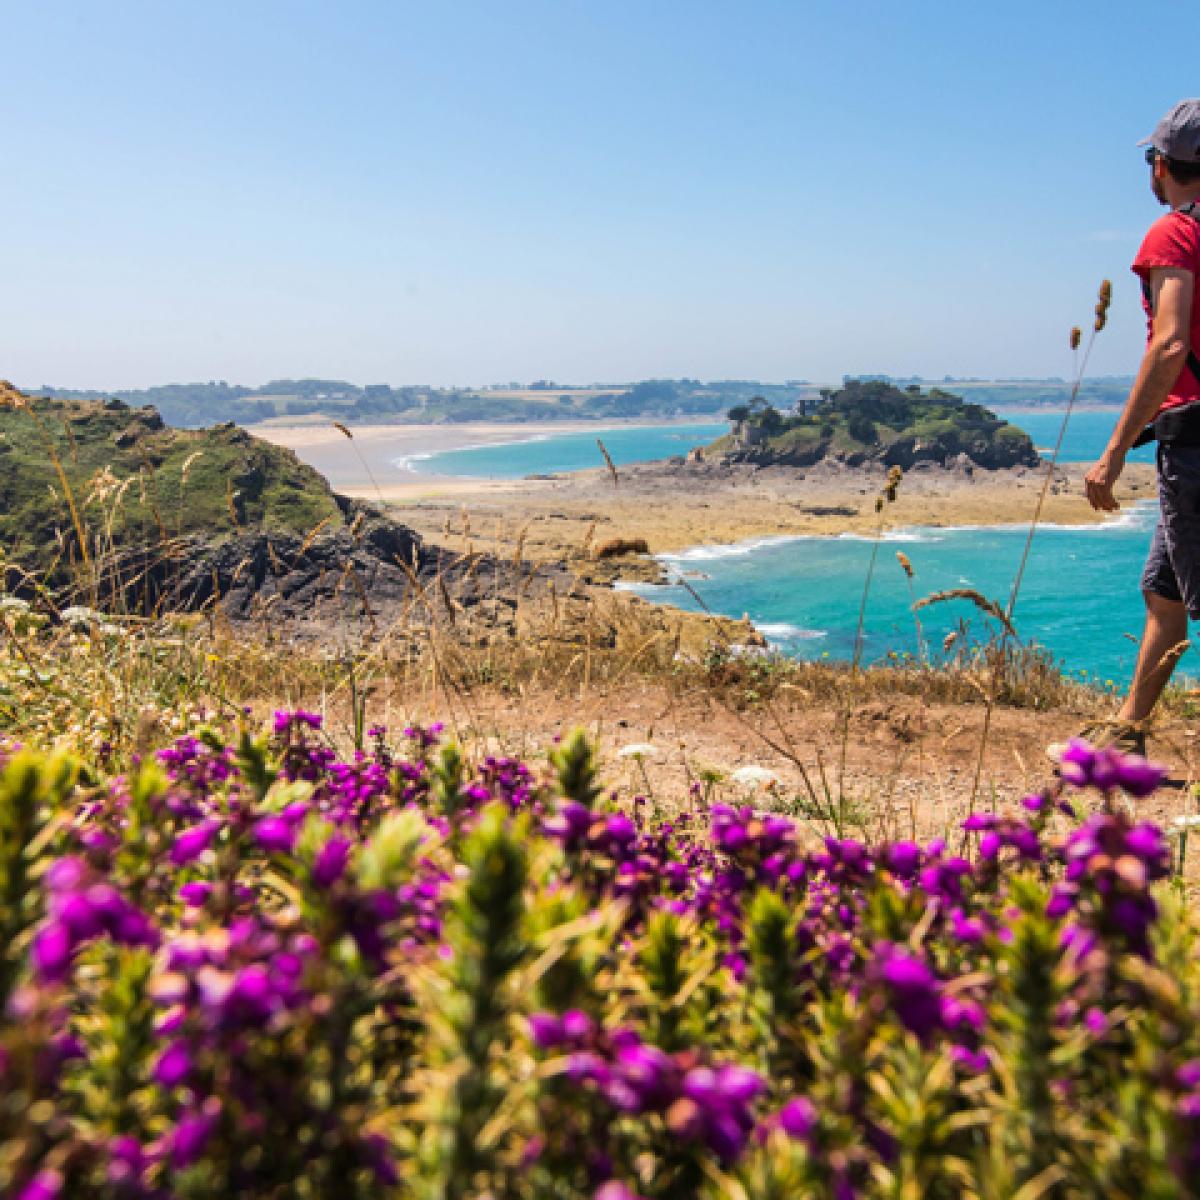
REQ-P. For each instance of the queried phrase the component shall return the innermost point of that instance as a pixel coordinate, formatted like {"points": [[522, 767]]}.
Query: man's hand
{"points": [[1166, 353], [1100, 480]]}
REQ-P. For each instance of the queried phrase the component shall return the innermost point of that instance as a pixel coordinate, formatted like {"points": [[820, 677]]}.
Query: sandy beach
{"points": [[376, 461], [671, 506]]}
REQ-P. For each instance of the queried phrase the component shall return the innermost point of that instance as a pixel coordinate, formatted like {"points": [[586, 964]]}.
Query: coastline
{"points": [[674, 508], [374, 463]]}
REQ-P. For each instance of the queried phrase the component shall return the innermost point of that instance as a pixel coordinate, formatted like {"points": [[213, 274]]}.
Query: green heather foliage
{"points": [[248, 967], [123, 479]]}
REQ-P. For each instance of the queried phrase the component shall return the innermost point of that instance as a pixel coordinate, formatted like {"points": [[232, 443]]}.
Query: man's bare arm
{"points": [[1166, 353]]}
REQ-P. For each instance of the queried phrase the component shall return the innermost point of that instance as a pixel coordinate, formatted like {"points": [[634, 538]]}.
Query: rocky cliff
{"points": [[107, 506]]}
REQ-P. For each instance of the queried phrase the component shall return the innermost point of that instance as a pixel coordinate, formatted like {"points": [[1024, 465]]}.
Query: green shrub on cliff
{"points": [[79, 480], [876, 421]]}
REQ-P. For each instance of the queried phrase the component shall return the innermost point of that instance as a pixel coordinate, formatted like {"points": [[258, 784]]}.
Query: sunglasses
{"points": [[1151, 155]]}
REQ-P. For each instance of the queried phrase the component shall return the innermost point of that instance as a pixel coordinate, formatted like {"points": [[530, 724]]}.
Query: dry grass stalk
{"points": [[990, 607], [612, 468]]}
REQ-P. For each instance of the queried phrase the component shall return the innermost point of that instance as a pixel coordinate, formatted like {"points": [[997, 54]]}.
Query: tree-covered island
{"points": [[874, 421]]}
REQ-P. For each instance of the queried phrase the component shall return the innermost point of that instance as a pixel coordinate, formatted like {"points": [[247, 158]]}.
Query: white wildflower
{"points": [[753, 776], [637, 750]]}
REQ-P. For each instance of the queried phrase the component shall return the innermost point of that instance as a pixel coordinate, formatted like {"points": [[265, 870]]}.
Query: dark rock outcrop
{"points": [[990, 453], [369, 573]]}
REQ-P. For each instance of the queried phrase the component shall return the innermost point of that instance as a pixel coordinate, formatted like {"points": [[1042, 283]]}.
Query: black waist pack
{"points": [[1175, 427]]}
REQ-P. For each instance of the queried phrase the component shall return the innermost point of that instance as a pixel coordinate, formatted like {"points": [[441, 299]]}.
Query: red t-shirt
{"points": [[1174, 241]]}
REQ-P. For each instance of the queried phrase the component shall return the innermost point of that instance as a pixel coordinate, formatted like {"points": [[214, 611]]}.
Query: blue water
{"points": [[548, 454], [1087, 432], [553, 453], [1079, 599]]}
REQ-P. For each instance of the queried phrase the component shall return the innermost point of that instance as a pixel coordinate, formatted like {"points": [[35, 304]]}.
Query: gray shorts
{"points": [[1173, 565]]}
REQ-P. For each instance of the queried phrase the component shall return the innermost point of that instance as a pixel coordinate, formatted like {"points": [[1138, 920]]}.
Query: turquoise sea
{"points": [[1079, 599], [555, 452]]}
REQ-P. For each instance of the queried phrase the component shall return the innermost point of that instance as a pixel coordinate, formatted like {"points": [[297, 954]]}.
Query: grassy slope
{"points": [[133, 482]]}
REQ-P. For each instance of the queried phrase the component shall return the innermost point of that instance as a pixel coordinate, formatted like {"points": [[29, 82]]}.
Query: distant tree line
{"points": [[190, 405]]}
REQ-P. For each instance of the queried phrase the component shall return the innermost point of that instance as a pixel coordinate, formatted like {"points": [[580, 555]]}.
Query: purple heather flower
{"points": [[913, 991], [295, 812], [1139, 777], [1083, 765], [79, 917], [903, 859], [173, 1066], [1132, 915], [963, 1016], [798, 1118], [571, 824], [906, 973], [45, 1185], [646, 1072], [380, 1157], [970, 1060], [620, 830], [133, 928], [728, 1084], [106, 902], [192, 843], [576, 1025], [126, 1162], [546, 1029], [1025, 842], [64, 875], [275, 835], [331, 861], [51, 953], [1147, 842], [614, 1190], [195, 894], [190, 1137], [1078, 942], [970, 930], [98, 841], [1060, 902], [584, 1066], [251, 997], [1188, 1075], [979, 822], [284, 721]]}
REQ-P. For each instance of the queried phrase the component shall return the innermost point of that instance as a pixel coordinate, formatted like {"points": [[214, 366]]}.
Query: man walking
{"points": [[1167, 393]]}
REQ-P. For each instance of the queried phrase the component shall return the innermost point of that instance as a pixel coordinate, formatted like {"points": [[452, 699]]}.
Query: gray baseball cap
{"points": [[1177, 135]]}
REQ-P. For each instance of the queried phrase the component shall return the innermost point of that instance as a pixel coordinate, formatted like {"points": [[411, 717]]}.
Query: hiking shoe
{"points": [[1126, 736]]}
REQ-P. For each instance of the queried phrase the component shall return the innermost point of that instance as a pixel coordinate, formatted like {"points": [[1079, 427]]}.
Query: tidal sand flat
{"points": [[406, 463]]}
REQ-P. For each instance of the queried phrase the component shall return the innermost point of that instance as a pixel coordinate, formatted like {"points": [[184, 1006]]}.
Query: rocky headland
{"points": [[867, 423], [107, 506]]}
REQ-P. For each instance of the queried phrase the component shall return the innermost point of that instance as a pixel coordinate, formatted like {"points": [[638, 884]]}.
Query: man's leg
{"points": [[1163, 643]]}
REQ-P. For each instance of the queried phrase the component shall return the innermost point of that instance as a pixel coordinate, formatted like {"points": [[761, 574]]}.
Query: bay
{"points": [[552, 453], [1080, 597]]}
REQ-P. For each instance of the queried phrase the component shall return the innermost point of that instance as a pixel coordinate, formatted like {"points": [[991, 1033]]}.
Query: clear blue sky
{"points": [[459, 193]]}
